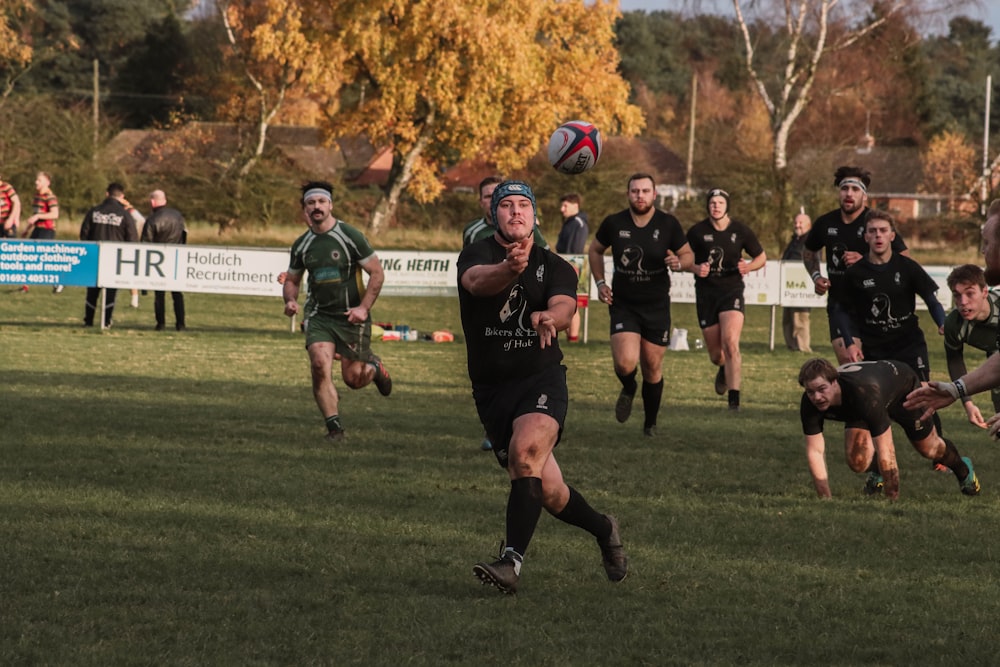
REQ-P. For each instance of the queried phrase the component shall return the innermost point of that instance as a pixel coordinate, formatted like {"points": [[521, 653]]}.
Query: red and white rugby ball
{"points": [[575, 147]]}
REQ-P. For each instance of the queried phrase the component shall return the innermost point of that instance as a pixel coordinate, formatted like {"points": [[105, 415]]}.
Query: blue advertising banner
{"points": [[24, 262]]}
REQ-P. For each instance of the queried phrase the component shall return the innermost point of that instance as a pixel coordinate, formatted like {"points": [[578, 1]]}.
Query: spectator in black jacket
{"points": [[165, 225], [108, 221], [795, 321]]}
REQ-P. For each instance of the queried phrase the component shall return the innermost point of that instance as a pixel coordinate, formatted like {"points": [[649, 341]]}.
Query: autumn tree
{"points": [[949, 166], [451, 80], [807, 33], [15, 51], [276, 44]]}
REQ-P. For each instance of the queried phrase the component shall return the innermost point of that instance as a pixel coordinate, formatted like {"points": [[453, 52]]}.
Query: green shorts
{"points": [[351, 341]]}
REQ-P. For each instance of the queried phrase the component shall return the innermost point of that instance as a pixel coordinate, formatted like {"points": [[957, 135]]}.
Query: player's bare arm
{"points": [[376, 278], [816, 458], [290, 293], [489, 279], [810, 260], [936, 395]]}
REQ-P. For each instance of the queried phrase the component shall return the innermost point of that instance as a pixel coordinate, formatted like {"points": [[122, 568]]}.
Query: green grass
{"points": [[169, 499]]}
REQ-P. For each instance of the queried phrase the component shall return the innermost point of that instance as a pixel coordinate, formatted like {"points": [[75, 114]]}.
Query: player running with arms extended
{"points": [[515, 297]]}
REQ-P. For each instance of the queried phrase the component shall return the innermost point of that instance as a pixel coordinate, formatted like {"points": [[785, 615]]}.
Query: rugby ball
{"points": [[574, 147]]}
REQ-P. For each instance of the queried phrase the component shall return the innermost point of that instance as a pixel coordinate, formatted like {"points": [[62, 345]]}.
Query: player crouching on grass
{"points": [[338, 322], [868, 396]]}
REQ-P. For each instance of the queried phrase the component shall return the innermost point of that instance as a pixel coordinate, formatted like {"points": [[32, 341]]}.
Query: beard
{"points": [[640, 211]]}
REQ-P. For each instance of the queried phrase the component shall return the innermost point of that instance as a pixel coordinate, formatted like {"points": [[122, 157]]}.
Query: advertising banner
{"points": [[50, 263]]}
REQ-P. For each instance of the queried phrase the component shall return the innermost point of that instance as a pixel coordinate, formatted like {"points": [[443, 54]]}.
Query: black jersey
{"points": [[723, 250], [500, 342], [869, 391], [639, 255], [883, 300], [830, 232]]}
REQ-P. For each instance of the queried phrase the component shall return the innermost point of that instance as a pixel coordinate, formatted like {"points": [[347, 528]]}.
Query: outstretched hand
{"points": [[929, 398], [543, 322]]}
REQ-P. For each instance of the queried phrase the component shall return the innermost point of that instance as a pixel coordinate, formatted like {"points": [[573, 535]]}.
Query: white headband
{"points": [[853, 181], [323, 192]]}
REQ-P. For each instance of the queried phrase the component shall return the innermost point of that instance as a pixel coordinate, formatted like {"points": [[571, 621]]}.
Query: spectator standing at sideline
{"points": [[718, 243], [795, 321], [337, 313], [572, 241], [42, 223], [975, 322], [108, 221], [514, 298], [10, 210], [646, 244], [841, 233], [165, 225]]}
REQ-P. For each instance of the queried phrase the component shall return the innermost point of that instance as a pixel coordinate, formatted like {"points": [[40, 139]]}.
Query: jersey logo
{"points": [[881, 311], [631, 255], [542, 403], [624, 234], [715, 255], [335, 255], [515, 301], [896, 277], [656, 234], [732, 237], [837, 254], [540, 274], [868, 283], [708, 238], [831, 231]]}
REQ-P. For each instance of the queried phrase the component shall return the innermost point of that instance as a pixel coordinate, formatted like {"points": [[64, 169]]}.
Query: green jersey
{"points": [[333, 260]]}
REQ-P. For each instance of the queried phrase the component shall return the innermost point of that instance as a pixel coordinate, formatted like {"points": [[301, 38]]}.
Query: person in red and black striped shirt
{"points": [[42, 224]]}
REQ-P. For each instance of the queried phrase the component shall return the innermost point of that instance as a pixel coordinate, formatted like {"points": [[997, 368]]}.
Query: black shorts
{"points": [[651, 321], [710, 301], [913, 354], [916, 429], [499, 405]]}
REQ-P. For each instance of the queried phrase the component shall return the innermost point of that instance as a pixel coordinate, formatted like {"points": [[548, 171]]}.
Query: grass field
{"points": [[168, 499]]}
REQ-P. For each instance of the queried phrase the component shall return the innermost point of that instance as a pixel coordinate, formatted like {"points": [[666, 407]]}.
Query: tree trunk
{"points": [[399, 179]]}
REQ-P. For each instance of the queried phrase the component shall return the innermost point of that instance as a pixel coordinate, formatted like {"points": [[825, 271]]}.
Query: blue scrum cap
{"points": [[508, 188]]}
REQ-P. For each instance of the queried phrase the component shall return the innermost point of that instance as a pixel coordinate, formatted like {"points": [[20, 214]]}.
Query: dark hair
{"points": [[306, 187], [489, 180], [815, 368], [638, 176], [859, 173], [116, 190], [967, 273], [880, 214], [571, 197]]}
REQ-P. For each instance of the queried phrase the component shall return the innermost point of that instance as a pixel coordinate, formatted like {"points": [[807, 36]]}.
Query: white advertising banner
{"points": [[191, 268], [254, 272]]}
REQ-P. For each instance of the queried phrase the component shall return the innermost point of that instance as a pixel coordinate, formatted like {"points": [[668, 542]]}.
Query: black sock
{"points": [[652, 395], [953, 460], [524, 506], [333, 423], [629, 385], [734, 397], [579, 513]]}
